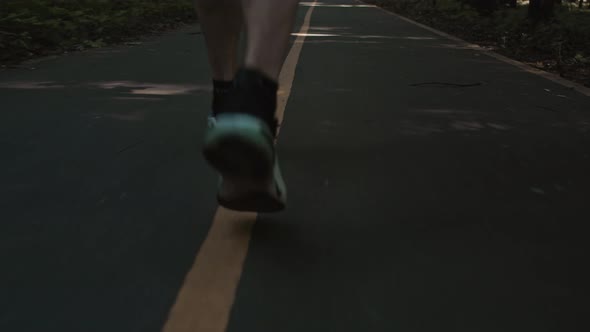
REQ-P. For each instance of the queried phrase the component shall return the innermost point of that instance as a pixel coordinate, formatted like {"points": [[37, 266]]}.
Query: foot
{"points": [[239, 144]]}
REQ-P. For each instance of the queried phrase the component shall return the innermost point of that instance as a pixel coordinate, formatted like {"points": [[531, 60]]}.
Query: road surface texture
{"points": [[432, 188]]}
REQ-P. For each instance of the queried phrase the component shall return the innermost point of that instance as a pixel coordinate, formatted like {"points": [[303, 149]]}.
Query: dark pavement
{"points": [[432, 188]]}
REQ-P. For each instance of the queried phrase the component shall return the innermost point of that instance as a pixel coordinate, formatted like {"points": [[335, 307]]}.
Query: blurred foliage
{"points": [[33, 27]]}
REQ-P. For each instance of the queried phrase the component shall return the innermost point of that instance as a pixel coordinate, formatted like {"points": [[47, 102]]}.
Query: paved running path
{"points": [[413, 206]]}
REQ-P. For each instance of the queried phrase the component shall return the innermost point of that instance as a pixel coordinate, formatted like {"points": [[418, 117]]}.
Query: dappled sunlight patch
{"points": [[154, 88], [348, 35], [138, 98], [498, 126], [412, 128], [136, 88], [458, 46], [328, 28], [418, 38], [427, 127], [343, 32], [447, 120], [467, 125], [30, 85], [296, 34], [478, 125], [323, 4], [324, 41]]}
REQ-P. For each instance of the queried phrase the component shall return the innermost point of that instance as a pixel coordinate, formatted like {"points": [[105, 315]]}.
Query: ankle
{"points": [[252, 93], [261, 95]]}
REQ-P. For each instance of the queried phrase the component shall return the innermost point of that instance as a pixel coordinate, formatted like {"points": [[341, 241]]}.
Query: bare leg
{"points": [[221, 22], [239, 140], [269, 24]]}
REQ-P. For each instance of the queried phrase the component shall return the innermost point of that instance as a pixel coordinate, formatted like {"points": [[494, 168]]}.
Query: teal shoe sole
{"points": [[239, 145], [241, 148]]}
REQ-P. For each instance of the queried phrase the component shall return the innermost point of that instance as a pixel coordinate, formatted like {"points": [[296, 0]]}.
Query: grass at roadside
{"points": [[31, 28], [560, 45]]}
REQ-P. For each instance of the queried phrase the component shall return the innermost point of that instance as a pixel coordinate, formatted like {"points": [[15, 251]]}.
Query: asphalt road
{"points": [[432, 188]]}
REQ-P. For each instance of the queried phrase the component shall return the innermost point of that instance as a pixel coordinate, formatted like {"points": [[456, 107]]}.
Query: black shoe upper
{"points": [[252, 93]]}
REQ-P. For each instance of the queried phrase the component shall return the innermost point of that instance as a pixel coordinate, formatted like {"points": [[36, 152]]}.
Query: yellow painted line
{"points": [[527, 68], [288, 71], [205, 299]]}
